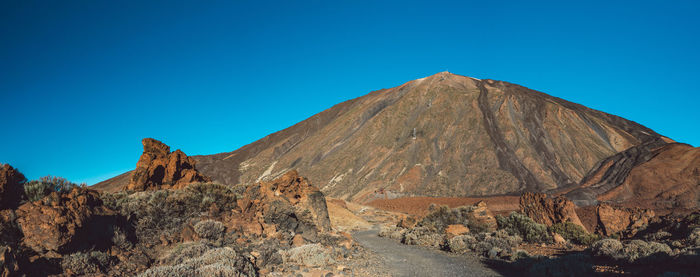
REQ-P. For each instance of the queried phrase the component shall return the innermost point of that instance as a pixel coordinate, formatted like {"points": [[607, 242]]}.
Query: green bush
{"points": [[38, 189], [574, 233], [633, 251], [523, 226]]}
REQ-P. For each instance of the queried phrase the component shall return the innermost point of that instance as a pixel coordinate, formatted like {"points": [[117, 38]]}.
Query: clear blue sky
{"points": [[81, 82]]}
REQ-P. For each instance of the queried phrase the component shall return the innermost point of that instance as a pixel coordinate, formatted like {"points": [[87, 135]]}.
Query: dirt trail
{"points": [[407, 260]]}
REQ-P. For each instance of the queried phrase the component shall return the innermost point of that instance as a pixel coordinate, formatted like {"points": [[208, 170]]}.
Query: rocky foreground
{"points": [[170, 220]]}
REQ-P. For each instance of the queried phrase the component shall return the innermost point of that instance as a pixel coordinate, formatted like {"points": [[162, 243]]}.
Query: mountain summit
{"points": [[442, 135]]}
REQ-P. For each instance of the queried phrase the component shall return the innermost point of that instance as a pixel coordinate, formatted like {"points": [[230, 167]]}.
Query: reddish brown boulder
{"points": [[548, 211], [407, 222], [288, 203], [64, 222], [11, 187], [483, 215], [159, 169], [623, 221]]}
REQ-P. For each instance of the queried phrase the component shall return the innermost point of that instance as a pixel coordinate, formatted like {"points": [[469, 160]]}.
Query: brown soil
{"points": [[419, 205]]}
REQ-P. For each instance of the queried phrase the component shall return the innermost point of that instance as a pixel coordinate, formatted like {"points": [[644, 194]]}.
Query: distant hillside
{"points": [[443, 135]]}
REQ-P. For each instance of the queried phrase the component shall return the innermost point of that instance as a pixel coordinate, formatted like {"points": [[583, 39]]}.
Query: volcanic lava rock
{"points": [[11, 187], [620, 220], [66, 222], [548, 211], [289, 203], [159, 169]]}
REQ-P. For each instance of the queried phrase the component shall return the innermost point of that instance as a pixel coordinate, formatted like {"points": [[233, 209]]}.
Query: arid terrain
{"points": [[442, 176]]}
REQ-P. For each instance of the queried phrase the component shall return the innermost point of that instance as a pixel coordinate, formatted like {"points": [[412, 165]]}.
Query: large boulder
{"points": [[11, 187], [66, 222], [289, 203], [548, 211], [158, 168], [622, 221]]}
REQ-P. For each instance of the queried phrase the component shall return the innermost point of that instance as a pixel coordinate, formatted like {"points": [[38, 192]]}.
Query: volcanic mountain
{"points": [[442, 135]]}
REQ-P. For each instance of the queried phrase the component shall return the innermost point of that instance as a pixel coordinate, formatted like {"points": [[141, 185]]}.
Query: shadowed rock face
{"points": [[11, 187], [443, 135], [65, 222], [159, 169]]}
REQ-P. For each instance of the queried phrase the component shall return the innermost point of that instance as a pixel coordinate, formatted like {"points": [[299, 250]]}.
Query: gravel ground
{"points": [[408, 260]]}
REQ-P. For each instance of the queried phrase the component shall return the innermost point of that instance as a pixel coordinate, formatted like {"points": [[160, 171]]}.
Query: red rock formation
{"points": [[64, 222], [159, 169], [11, 189], [483, 215], [622, 221], [287, 203], [548, 211]]}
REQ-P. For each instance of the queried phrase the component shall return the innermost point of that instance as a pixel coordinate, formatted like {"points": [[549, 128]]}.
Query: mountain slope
{"points": [[443, 135]]}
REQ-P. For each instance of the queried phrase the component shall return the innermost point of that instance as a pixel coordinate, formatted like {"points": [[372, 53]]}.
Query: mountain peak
{"points": [[441, 135]]}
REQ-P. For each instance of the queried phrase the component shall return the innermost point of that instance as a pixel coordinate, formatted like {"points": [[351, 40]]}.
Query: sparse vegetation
{"points": [[574, 233], [164, 212], [442, 216], [223, 261], [38, 189], [525, 227], [210, 229], [631, 251], [80, 263]]}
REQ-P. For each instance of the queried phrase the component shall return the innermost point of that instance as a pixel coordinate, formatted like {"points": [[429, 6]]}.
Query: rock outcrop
{"points": [[288, 203], [66, 222], [625, 222], [548, 211], [481, 213], [11, 187], [158, 168]]}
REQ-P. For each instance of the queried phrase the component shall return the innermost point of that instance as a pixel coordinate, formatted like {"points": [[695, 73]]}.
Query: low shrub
{"points": [[492, 245], [523, 226], [209, 229], [694, 237], [221, 262], [155, 214], [442, 216], [632, 251], [87, 263], [38, 189], [574, 233], [424, 236], [606, 248]]}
